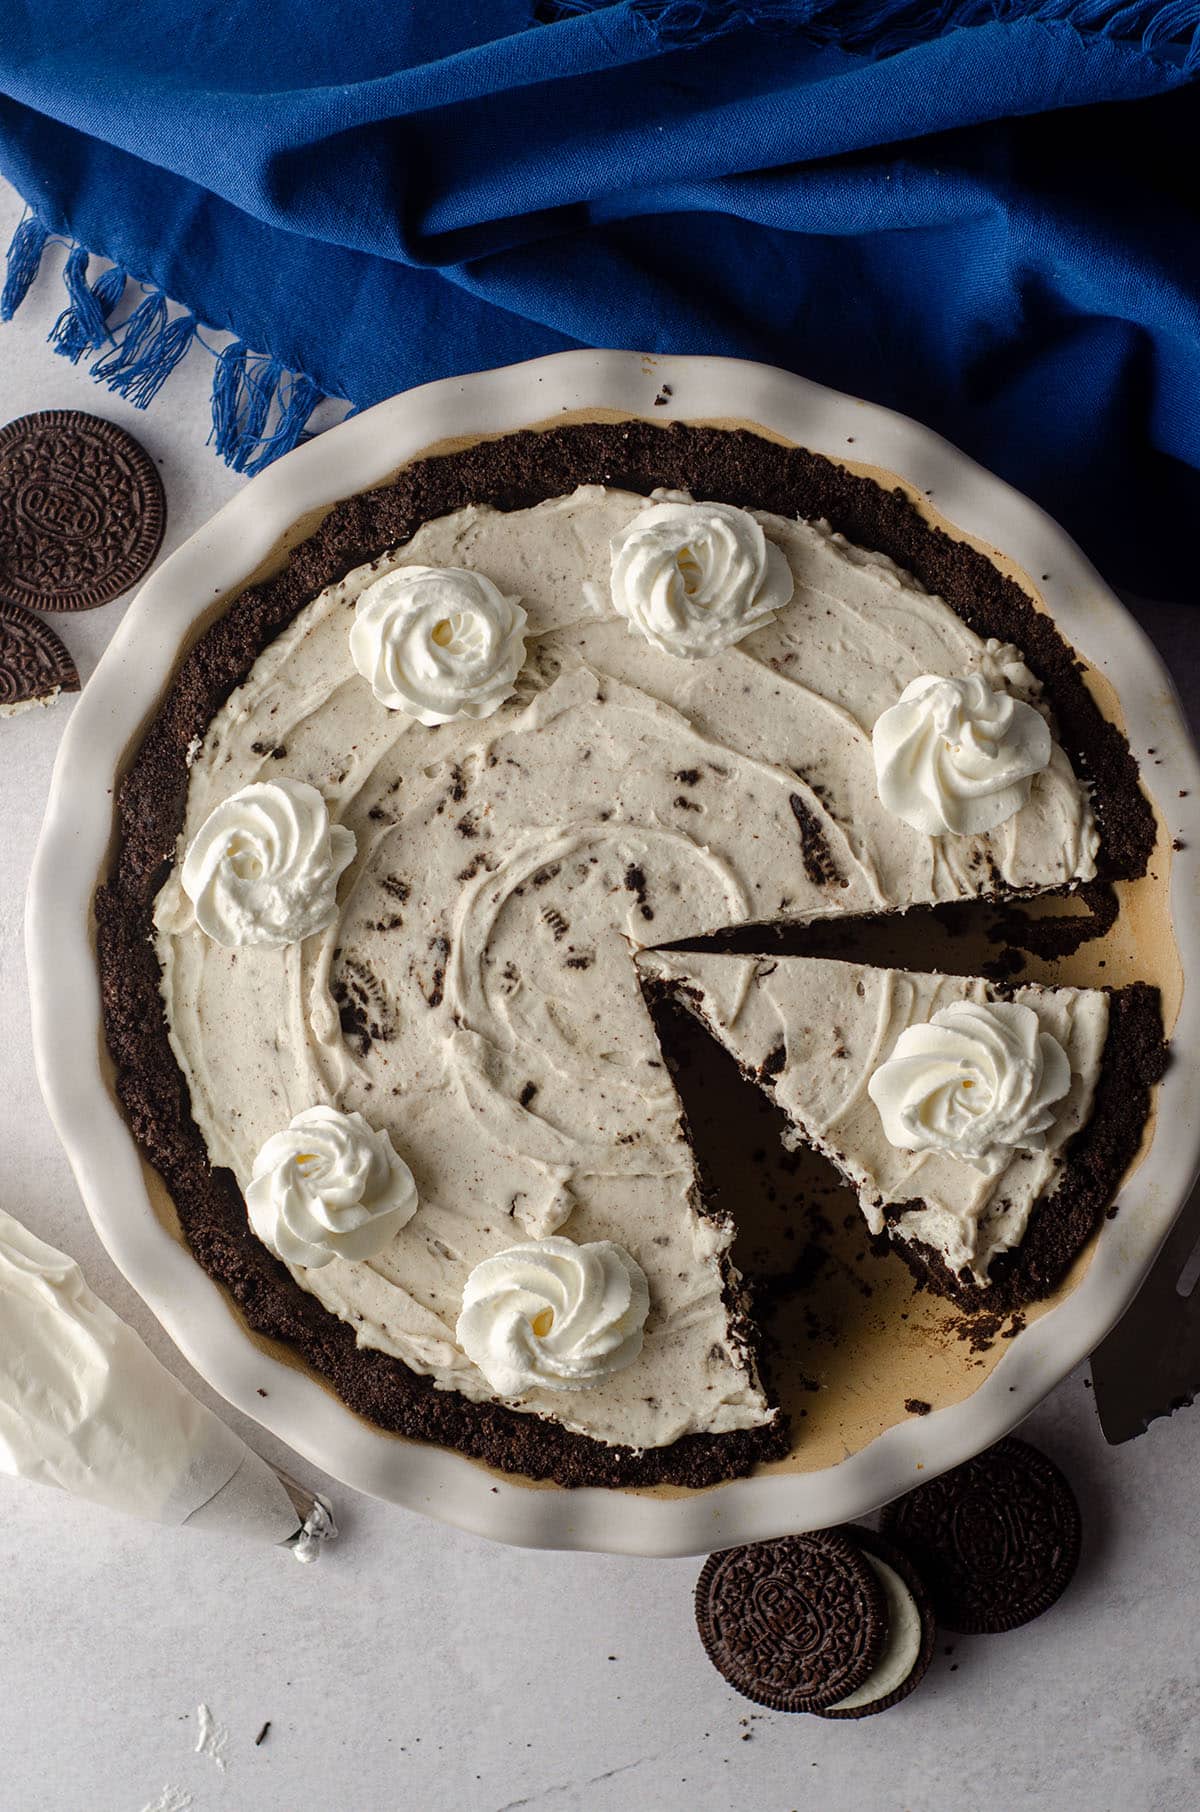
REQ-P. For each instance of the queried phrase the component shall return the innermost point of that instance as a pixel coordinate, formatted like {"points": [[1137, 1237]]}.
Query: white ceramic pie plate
{"points": [[67, 1027]]}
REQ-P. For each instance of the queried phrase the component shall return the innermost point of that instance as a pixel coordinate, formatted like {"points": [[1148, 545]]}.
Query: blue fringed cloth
{"points": [[986, 214]]}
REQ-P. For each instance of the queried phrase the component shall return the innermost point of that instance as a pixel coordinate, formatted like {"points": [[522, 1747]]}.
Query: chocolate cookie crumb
{"points": [[819, 864]]}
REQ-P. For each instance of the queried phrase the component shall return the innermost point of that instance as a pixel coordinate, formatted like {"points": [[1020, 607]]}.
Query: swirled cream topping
{"points": [[979, 1080], [954, 756], [694, 578], [329, 1186], [438, 643], [475, 996], [263, 867], [551, 1315], [823, 1030]]}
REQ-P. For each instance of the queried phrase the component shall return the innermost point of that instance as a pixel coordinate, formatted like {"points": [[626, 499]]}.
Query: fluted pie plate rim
{"points": [[75, 842]]}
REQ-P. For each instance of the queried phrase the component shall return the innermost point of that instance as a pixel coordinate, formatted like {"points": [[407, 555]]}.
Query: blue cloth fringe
{"points": [[141, 352], [885, 27], [24, 259], [296, 396], [243, 389], [142, 326], [246, 387], [140, 379], [83, 324]]}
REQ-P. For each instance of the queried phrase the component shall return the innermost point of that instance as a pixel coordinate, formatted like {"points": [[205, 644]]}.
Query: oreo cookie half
{"points": [[996, 1541], [81, 510], [34, 665], [796, 1624], [911, 1631]]}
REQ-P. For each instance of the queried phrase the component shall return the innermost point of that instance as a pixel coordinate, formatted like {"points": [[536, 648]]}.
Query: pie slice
{"points": [[984, 1128]]}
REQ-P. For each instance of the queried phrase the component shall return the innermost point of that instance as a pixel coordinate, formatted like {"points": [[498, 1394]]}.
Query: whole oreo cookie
{"points": [[996, 1540], [81, 510], [34, 665], [795, 1624], [911, 1630]]}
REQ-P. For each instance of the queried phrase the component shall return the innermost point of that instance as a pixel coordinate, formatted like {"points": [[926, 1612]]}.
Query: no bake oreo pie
{"points": [[413, 807]]}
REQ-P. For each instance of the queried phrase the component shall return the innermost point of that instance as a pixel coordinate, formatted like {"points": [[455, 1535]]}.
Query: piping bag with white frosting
{"points": [[85, 1406]]}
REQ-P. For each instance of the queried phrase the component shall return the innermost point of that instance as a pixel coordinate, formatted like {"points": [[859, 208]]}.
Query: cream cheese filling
{"points": [[476, 997]]}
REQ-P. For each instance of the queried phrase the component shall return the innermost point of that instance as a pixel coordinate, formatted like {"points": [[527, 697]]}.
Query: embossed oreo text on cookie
{"points": [[81, 510], [996, 1541], [795, 1624], [34, 665]]}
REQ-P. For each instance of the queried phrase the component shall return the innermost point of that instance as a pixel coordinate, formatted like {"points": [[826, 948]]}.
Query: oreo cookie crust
{"points": [[997, 1540], [512, 472], [908, 1646], [82, 511], [795, 1624]]}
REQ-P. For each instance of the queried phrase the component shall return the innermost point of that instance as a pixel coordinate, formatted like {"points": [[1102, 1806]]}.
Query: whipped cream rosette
{"points": [[329, 1186], [264, 866], [438, 643], [979, 1080], [694, 578], [554, 1315], [85, 1406], [956, 757]]}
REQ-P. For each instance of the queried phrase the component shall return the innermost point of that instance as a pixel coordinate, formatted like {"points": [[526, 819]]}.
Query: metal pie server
{"points": [[1150, 1363]]}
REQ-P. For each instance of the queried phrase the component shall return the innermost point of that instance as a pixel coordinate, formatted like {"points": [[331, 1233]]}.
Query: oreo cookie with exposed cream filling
{"points": [[34, 665], [911, 1630]]}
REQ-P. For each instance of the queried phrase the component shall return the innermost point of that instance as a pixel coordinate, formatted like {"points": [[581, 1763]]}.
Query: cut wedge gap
{"points": [[1000, 937]]}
